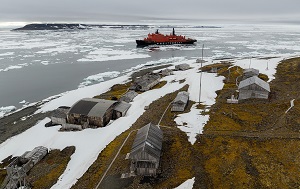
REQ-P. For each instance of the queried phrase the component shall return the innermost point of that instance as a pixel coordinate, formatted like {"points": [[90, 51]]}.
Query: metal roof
{"points": [[182, 96], [147, 79], [148, 139], [60, 113], [122, 107], [129, 96], [256, 71], [100, 108], [91, 107], [182, 66], [254, 80]]}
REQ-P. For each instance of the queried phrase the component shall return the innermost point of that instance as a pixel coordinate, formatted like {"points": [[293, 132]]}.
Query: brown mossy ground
{"points": [[46, 173], [175, 167], [115, 91], [118, 90], [259, 162]]}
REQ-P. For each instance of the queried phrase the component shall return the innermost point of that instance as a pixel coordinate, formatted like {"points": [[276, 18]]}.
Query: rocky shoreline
{"points": [[19, 122]]}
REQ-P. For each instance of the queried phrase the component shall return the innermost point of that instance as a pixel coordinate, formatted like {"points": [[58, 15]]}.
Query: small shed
{"points": [[182, 67], [146, 150], [146, 82], [97, 112], [18, 168], [253, 87], [250, 73], [121, 109], [59, 116], [129, 96], [166, 72], [180, 102]]}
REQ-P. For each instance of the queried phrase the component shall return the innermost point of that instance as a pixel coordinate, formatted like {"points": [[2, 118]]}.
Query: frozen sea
{"points": [[35, 65]]}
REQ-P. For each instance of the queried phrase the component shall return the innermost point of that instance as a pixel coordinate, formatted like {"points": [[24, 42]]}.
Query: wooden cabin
{"points": [[129, 96], [59, 116], [146, 150], [93, 113], [250, 73], [180, 102], [146, 82], [96, 112], [253, 87], [182, 67], [121, 109], [166, 72]]}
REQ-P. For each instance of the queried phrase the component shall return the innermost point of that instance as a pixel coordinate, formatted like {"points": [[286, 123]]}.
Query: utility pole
{"points": [[201, 74], [250, 62]]}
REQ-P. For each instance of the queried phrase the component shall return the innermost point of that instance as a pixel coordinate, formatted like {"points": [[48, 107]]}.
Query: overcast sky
{"points": [[137, 10]]}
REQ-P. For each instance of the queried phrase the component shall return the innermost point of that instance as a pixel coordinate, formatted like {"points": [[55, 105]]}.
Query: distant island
{"points": [[61, 26]]}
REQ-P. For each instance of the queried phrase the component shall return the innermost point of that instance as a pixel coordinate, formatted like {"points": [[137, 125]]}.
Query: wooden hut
{"points": [[166, 72], [250, 73], [129, 96], [253, 87], [18, 168], [96, 112], [59, 116], [121, 109], [146, 150], [182, 67], [146, 82], [180, 102]]}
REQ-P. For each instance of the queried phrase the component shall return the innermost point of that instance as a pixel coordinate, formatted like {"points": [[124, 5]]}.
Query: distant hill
{"points": [[60, 26]]}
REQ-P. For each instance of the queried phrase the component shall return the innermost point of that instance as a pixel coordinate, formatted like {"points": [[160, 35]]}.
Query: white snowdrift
{"points": [[187, 184]]}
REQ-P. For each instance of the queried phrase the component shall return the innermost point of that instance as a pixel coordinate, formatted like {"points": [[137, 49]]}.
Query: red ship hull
{"points": [[160, 39], [146, 43]]}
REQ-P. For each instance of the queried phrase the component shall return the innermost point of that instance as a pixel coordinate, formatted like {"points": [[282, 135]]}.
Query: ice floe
{"points": [[6, 109], [105, 54], [98, 78]]}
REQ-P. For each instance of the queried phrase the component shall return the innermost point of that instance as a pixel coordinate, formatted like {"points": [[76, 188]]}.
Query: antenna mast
{"points": [[201, 74]]}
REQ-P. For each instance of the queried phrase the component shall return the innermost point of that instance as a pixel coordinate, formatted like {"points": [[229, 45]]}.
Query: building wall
{"points": [[77, 119], [246, 94], [144, 164], [57, 120]]}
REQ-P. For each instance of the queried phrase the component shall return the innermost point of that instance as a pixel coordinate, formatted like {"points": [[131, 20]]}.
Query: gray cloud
{"points": [[135, 10]]}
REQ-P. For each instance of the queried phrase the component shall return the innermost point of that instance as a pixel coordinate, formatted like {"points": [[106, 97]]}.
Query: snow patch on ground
{"points": [[187, 184], [98, 78], [264, 66], [192, 123]]}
